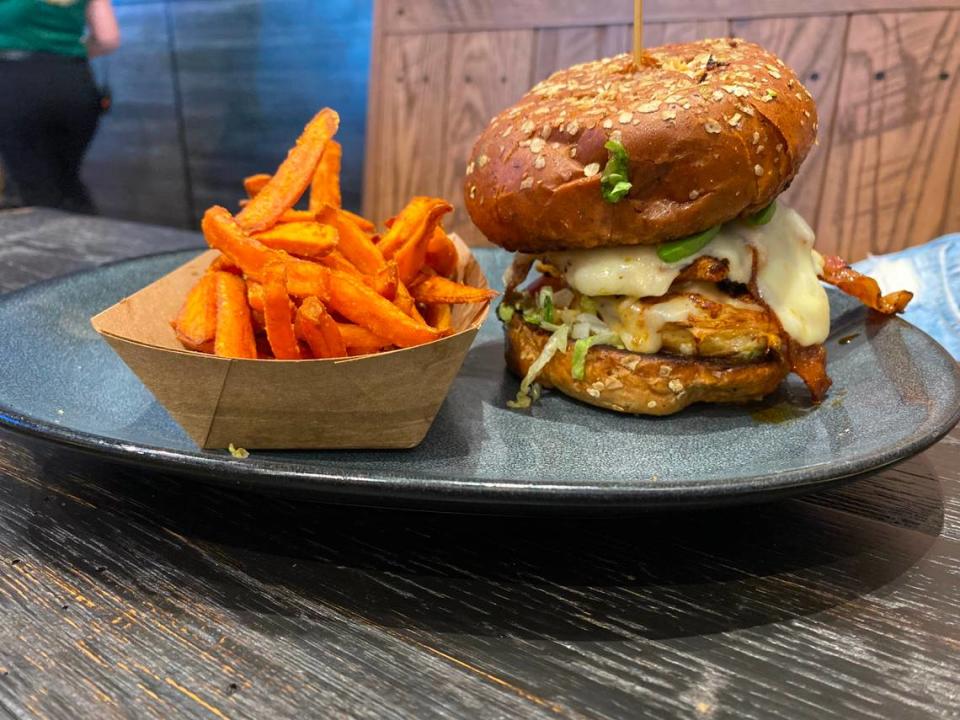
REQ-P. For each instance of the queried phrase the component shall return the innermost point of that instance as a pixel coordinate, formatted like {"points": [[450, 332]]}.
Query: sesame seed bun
{"points": [[635, 383], [714, 129]]}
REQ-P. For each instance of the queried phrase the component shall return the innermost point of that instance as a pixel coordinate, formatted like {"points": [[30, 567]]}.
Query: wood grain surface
{"points": [[404, 143], [896, 138], [422, 16], [814, 48], [483, 80], [126, 593], [886, 76]]}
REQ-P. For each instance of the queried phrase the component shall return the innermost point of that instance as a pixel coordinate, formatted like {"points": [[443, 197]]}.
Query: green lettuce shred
{"points": [[579, 362], [615, 183], [506, 312], [556, 342], [588, 305], [532, 316], [545, 303]]}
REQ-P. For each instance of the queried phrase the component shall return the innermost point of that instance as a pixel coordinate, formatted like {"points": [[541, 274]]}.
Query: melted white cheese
{"points": [[787, 268], [639, 326]]}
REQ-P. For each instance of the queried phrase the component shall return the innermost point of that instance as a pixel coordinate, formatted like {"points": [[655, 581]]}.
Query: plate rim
{"points": [[276, 475]]}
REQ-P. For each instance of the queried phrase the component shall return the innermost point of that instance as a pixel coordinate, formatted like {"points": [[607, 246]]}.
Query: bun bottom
{"points": [[630, 382]]}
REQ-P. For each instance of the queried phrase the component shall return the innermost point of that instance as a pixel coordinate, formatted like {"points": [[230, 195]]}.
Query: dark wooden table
{"points": [[132, 594]]}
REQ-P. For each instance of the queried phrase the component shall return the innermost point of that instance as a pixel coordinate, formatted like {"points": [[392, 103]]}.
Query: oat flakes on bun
{"points": [[645, 198]]}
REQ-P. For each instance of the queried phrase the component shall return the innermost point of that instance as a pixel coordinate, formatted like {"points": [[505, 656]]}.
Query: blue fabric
{"points": [[932, 273]]}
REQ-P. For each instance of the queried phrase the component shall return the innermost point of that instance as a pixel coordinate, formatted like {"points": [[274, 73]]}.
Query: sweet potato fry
{"points": [[303, 278], [296, 216], [442, 254], [255, 296], [440, 316], [404, 300], [384, 286], [310, 278], [319, 330], [255, 183], [337, 261], [196, 325], [325, 186], [307, 278], [259, 328], [303, 239], [359, 340], [222, 232], [292, 177], [438, 289], [277, 313], [355, 244], [222, 263], [415, 223], [360, 222], [234, 336], [385, 281], [410, 259], [361, 305]]}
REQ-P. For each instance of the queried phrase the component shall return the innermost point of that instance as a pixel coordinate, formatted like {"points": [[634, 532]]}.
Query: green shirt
{"points": [[53, 26]]}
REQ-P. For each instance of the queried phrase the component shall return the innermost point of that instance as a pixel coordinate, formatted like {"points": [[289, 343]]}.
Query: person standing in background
{"points": [[49, 102]]}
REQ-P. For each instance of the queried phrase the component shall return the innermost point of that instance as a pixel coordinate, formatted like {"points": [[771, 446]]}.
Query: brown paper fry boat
{"points": [[387, 400]]}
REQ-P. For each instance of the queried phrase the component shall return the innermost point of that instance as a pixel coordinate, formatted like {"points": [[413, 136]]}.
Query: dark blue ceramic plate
{"points": [[895, 393]]}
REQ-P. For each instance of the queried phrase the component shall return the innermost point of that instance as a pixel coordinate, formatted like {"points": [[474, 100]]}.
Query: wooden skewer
{"points": [[637, 31]]}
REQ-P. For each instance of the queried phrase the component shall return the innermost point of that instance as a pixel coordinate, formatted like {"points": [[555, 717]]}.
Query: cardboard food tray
{"points": [[386, 400]]}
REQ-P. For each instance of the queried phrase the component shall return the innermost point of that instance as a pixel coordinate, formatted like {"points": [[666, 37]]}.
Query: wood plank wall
{"points": [[885, 73]]}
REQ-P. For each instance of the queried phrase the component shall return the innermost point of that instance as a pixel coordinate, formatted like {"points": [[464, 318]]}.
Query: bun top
{"points": [[713, 129]]}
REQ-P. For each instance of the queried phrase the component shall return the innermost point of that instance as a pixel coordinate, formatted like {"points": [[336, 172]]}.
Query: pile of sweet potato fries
{"points": [[320, 283]]}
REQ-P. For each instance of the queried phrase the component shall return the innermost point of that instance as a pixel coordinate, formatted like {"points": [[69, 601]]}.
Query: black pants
{"points": [[48, 115]]}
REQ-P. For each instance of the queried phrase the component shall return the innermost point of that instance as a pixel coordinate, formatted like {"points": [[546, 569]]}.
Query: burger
{"points": [[644, 197]]}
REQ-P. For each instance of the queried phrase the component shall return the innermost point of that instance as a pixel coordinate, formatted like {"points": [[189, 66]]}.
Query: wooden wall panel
{"points": [[814, 48], [135, 165], [562, 47], [558, 48], [483, 80], [426, 16], [407, 138], [893, 153], [884, 174], [674, 32]]}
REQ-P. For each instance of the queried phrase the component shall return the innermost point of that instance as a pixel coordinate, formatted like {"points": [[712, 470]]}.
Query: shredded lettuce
{"points": [[588, 305], [506, 312], [556, 342], [579, 330], [545, 302], [615, 182], [580, 348], [532, 316]]}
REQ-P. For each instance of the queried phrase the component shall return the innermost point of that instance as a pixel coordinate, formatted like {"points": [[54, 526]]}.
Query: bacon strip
{"points": [[705, 268], [810, 364], [517, 272], [863, 287]]}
